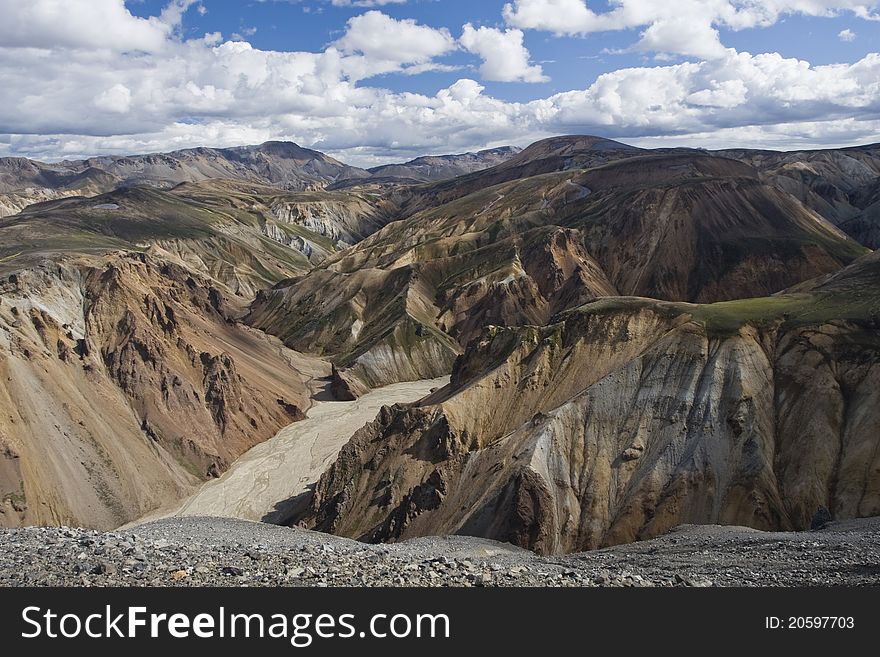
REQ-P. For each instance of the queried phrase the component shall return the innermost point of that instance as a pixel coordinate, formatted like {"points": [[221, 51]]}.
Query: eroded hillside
{"points": [[628, 417], [636, 338], [677, 226], [125, 380]]}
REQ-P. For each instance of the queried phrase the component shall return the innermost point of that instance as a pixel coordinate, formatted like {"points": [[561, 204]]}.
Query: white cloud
{"points": [[688, 28], [98, 24], [116, 99], [846, 35], [171, 15], [505, 58], [376, 43], [683, 36], [75, 98], [244, 34]]}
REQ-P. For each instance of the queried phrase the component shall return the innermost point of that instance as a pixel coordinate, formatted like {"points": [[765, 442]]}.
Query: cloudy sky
{"points": [[373, 81]]}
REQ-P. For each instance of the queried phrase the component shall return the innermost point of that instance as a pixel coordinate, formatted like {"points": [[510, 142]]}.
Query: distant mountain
{"points": [[280, 164], [432, 168], [672, 225], [835, 183], [24, 182]]}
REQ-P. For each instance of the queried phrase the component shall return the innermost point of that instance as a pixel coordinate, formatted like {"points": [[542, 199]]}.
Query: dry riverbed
{"points": [[266, 482]]}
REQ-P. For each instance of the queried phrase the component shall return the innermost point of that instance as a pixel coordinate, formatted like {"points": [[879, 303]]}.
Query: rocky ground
{"points": [[222, 552]]}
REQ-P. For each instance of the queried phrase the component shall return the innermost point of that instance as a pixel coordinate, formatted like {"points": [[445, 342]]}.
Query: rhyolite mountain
{"points": [[637, 338], [676, 226], [628, 416], [280, 164]]}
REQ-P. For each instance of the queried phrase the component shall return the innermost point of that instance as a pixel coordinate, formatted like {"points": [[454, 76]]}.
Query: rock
{"points": [[632, 454], [821, 518], [104, 568], [129, 329]]}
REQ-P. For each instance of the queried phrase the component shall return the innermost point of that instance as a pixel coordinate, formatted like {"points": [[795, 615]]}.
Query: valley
{"points": [[574, 346], [268, 481]]}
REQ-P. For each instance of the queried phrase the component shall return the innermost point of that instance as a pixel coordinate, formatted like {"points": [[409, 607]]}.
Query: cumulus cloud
{"points": [[376, 43], [101, 24], [116, 99], [75, 95], [505, 58], [846, 35], [689, 29]]}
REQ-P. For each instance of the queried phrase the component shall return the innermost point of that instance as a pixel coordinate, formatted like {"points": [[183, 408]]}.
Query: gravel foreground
{"points": [[223, 552]]}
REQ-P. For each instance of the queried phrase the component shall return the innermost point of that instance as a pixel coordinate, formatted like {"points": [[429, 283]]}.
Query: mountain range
{"points": [[636, 338]]}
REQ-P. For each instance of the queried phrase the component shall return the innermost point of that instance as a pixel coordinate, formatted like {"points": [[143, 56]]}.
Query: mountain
{"points": [[126, 381], [678, 226], [864, 226], [315, 223], [637, 338], [838, 184], [628, 416], [281, 164], [229, 245], [432, 168], [405, 322], [24, 182]]}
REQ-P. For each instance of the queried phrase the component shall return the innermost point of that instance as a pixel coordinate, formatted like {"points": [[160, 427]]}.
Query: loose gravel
{"points": [[224, 552]]}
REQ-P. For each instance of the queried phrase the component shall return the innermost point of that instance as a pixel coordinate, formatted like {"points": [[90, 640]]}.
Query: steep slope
{"points": [[384, 324], [236, 246], [834, 183], [314, 223], [864, 227], [628, 417], [702, 229], [681, 226], [675, 226], [125, 382]]}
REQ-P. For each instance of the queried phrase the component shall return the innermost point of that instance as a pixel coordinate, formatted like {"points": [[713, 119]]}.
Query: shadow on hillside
{"points": [[286, 510], [326, 392]]}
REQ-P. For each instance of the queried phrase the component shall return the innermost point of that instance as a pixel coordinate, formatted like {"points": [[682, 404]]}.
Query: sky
{"points": [[376, 81]]}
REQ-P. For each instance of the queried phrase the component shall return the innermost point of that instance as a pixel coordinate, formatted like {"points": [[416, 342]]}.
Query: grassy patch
{"points": [[726, 318], [789, 310]]}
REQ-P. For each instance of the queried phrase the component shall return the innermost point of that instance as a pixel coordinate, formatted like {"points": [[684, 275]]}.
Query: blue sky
{"points": [[570, 62], [381, 80]]}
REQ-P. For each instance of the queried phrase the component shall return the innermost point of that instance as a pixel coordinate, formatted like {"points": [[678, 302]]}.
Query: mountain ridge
{"points": [[637, 338]]}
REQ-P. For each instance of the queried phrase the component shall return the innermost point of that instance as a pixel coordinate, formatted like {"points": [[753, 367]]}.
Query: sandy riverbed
{"points": [[262, 483]]}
